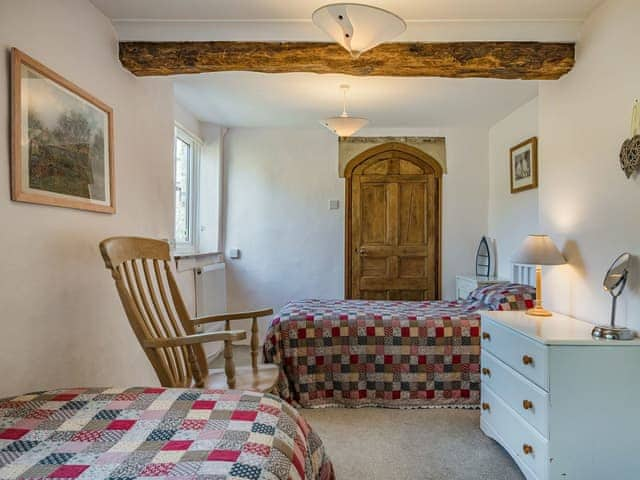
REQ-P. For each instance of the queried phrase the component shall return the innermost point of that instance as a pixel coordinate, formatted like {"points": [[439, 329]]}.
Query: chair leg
{"points": [[229, 366], [198, 378], [254, 343]]}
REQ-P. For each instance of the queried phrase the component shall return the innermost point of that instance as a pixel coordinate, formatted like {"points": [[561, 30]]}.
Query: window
{"points": [[186, 159]]}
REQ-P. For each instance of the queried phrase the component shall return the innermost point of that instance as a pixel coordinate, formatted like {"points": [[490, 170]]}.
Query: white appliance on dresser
{"points": [[563, 405]]}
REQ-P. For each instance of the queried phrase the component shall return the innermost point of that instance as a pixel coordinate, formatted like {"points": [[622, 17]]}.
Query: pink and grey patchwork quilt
{"points": [[384, 353], [146, 433]]}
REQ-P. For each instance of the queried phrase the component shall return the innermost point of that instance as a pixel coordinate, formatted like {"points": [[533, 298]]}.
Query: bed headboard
{"points": [[524, 274]]}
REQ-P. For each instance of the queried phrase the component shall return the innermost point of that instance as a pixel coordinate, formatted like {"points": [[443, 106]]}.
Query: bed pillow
{"points": [[510, 296]]}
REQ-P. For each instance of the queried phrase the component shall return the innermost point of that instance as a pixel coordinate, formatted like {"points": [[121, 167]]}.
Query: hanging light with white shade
{"points": [[344, 125], [357, 27]]}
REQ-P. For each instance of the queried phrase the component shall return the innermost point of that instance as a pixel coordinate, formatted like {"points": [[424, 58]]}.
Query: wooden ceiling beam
{"points": [[507, 60]]}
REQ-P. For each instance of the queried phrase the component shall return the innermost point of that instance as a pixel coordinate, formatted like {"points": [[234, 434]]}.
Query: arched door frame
{"points": [[358, 162]]}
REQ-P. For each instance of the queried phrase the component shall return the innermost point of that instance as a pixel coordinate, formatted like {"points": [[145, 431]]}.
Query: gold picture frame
{"points": [[523, 163], [62, 141]]}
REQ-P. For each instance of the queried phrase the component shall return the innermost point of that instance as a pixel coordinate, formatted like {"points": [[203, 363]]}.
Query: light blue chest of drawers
{"points": [[563, 405]]}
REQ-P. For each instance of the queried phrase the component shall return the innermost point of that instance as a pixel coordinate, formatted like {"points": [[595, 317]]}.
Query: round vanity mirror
{"points": [[616, 277], [614, 283]]}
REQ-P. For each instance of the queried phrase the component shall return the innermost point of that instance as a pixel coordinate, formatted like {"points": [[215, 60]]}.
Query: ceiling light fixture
{"points": [[344, 125], [357, 27]]}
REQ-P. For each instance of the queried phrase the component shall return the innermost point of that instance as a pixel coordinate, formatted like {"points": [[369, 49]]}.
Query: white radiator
{"points": [[211, 299]]}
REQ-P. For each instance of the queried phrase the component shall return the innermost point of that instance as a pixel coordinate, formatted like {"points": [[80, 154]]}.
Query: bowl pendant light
{"points": [[357, 27], [344, 125]]}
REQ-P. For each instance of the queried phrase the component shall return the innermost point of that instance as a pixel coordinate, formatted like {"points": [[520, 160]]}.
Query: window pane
{"points": [[183, 169]]}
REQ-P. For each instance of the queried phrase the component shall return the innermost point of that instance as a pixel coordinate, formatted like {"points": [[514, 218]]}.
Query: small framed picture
{"points": [[524, 165], [62, 141]]}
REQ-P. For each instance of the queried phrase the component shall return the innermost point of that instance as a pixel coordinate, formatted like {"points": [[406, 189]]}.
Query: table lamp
{"points": [[538, 250]]}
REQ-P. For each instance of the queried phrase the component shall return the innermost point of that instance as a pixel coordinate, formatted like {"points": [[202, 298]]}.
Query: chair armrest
{"points": [[194, 339], [223, 317]]}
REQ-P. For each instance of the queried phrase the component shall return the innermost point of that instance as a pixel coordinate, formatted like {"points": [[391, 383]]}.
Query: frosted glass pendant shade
{"points": [[357, 27], [344, 125]]}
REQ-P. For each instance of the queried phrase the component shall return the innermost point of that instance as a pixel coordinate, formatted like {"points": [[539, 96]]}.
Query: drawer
{"points": [[515, 433], [527, 357], [517, 392]]}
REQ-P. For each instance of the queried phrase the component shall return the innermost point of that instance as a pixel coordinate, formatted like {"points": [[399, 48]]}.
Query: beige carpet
{"points": [[438, 444], [385, 444]]}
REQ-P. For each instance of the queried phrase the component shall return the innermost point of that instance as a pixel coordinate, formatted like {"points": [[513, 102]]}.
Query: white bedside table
{"points": [[465, 284]]}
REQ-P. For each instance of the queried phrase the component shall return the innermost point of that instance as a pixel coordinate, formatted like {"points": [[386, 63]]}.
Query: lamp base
{"points": [[538, 311], [613, 333]]}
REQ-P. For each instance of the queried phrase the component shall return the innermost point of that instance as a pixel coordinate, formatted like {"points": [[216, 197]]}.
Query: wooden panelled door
{"points": [[393, 224]]}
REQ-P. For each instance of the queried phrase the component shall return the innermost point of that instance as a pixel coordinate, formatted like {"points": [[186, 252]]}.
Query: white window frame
{"points": [[195, 144]]}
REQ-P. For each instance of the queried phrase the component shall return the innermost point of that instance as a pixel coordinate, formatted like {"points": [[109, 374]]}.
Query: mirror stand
{"points": [[614, 283]]}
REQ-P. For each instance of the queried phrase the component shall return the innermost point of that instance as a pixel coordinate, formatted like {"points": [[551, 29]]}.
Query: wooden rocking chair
{"points": [[166, 331]]}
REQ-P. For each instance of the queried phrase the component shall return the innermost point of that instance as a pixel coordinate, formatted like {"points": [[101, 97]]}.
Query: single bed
{"points": [[137, 433], [385, 353]]}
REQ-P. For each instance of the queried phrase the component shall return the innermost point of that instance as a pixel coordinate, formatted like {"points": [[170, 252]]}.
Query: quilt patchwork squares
{"points": [[510, 296], [383, 353], [118, 434]]}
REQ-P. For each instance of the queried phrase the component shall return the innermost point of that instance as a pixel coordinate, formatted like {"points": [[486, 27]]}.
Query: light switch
{"points": [[234, 253], [334, 204]]}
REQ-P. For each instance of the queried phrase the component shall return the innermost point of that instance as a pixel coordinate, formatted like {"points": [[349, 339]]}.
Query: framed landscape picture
{"points": [[62, 141], [524, 165]]}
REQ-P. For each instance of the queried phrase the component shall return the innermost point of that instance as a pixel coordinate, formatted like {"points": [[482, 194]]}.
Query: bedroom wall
{"points": [[586, 203], [278, 185], [187, 119], [511, 216], [62, 324]]}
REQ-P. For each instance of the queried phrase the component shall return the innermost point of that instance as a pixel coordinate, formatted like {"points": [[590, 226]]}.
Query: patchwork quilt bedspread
{"points": [[145, 433], [382, 353]]}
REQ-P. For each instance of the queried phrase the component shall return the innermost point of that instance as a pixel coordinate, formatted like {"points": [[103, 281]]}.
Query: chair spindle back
{"points": [[141, 268]]}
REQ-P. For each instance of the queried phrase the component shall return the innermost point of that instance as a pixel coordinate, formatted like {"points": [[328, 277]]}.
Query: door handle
{"points": [[363, 252]]}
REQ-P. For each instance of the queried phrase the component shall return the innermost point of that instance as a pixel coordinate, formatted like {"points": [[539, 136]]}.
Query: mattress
{"points": [[143, 433]]}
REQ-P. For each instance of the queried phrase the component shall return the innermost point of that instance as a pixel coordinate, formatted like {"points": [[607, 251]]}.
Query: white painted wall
{"points": [[278, 185], [62, 323], [511, 216], [210, 190], [186, 120], [586, 202]]}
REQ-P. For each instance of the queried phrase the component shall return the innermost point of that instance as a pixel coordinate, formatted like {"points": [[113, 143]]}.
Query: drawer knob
{"points": [[486, 336], [527, 449], [527, 360], [527, 404], [486, 406], [486, 371]]}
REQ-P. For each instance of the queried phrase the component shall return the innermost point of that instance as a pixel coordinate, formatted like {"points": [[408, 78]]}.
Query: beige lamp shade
{"points": [[538, 250], [357, 27]]}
